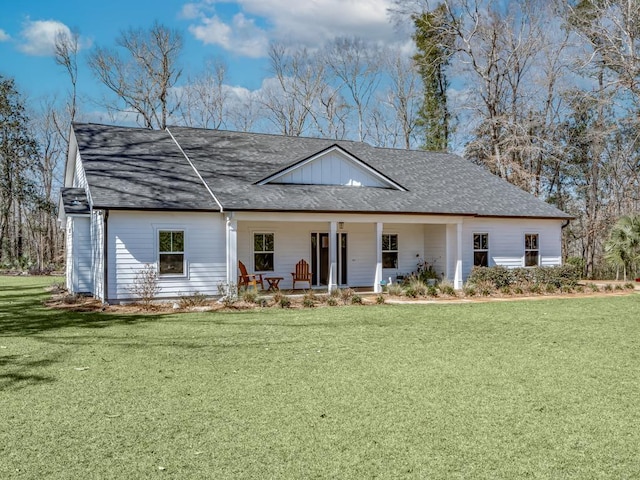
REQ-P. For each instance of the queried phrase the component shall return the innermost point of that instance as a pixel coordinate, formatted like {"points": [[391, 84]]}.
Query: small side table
{"points": [[273, 283]]}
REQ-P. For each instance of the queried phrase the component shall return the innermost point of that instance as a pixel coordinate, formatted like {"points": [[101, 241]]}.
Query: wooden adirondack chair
{"points": [[246, 279], [302, 273]]}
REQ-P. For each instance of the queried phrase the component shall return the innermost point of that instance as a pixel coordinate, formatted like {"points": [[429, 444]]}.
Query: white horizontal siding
{"points": [[506, 241], [79, 177], [97, 241], [411, 244], [133, 242], [82, 264], [331, 169], [435, 247]]}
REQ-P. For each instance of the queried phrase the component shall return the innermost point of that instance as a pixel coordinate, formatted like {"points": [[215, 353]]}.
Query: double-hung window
{"points": [[171, 252], [481, 249], [263, 252], [389, 250], [531, 250]]}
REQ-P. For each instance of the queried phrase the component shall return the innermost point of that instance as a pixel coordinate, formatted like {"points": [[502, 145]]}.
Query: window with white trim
{"points": [[389, 250], [263, 252], [481, 249], [531, 250], [171, 252]]}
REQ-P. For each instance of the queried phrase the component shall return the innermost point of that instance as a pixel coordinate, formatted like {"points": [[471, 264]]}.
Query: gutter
{"points": [[195, 169]]}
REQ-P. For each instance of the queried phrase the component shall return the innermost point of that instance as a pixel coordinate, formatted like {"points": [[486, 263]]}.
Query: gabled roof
{"points": [[368, 175], [136, 168], [75, 202]]}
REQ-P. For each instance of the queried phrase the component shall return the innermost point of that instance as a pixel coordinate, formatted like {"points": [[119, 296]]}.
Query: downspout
{"points": [[105, 263]]}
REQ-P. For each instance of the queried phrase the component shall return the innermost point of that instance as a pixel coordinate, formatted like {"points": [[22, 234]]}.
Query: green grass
{"points": [[527, 389]]}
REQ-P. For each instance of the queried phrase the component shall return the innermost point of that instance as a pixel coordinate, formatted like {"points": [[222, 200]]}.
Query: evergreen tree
{"points": [[434, 47]]}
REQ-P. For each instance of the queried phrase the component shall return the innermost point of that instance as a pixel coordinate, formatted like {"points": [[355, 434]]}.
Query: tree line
{"points": [[542, 93]]}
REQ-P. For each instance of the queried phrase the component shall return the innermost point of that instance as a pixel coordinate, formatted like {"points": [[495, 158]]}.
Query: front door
{"points": [[320, 258]]}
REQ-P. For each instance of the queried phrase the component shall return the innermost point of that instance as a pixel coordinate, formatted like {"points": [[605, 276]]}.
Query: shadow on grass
{"points": [[25, 314], [16, 372]]}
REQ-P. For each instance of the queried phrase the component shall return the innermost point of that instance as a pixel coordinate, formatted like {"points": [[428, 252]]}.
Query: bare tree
{"points": [[204, 99], [357, 66], [142, 82]]}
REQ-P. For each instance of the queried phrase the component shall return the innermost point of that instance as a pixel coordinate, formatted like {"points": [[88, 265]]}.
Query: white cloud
{"points": [[4, 36], [240, 36], [291, 21], [39, 36]]}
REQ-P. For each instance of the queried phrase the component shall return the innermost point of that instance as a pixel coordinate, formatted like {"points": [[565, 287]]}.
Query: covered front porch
{"points": [[343, 250]]}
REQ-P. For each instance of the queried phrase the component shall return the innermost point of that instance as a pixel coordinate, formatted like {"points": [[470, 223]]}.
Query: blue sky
{"points": [[238, 32]]}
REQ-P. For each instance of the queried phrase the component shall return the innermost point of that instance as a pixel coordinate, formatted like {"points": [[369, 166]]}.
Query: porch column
{"points": [[457, 280], [377, 287], [232, 254], [333, 255]]}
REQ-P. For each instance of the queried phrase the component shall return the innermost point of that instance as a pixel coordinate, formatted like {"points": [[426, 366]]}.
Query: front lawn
{"points": [[526, 389]]}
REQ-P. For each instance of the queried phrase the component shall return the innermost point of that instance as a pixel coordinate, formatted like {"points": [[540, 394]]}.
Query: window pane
{"points": [[385, 242], [165, 241], [531, 242], [268, 242], [177, 244], [393, 240], [171, 264], [481, 259], [389, 259], [258, 242], [531, 258], [263, 262]]}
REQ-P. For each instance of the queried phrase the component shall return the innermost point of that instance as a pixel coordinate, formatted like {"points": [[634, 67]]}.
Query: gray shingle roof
{"points": [[75, 202], [144, 169]]}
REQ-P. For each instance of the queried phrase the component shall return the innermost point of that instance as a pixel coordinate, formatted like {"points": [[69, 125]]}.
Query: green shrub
{"points": [[446, 288], [497, 276], [469, 290], [380, 299], [284, 302], [485, 288], [356, 299], [249, 295], [566, 289], [593, 287], [415, 289], [500, 277], [395, 289], [550, 288], [580, 289], [432, 291], [309, 299], [608, 287], [332, 301], [629, 286], [619, 287], [195, 299], [518, 290], [506, 290], [345, 295], [535, 288]]}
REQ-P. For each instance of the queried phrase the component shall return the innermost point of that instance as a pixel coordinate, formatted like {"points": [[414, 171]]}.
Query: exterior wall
{"points": [[435, 247], [79, 267], [331, 169], [68, 249], [97, 253], [293, 243], [79, 177], [133, 242], [506, 241], [411, 248]]}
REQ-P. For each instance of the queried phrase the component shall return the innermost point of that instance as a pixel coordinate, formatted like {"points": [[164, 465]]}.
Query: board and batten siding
{"points": [[331, 169], [506, 241], [133, 243]]}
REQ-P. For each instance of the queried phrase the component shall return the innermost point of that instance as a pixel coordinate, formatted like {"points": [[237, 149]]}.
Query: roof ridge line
{"points": [[194, 169]]}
